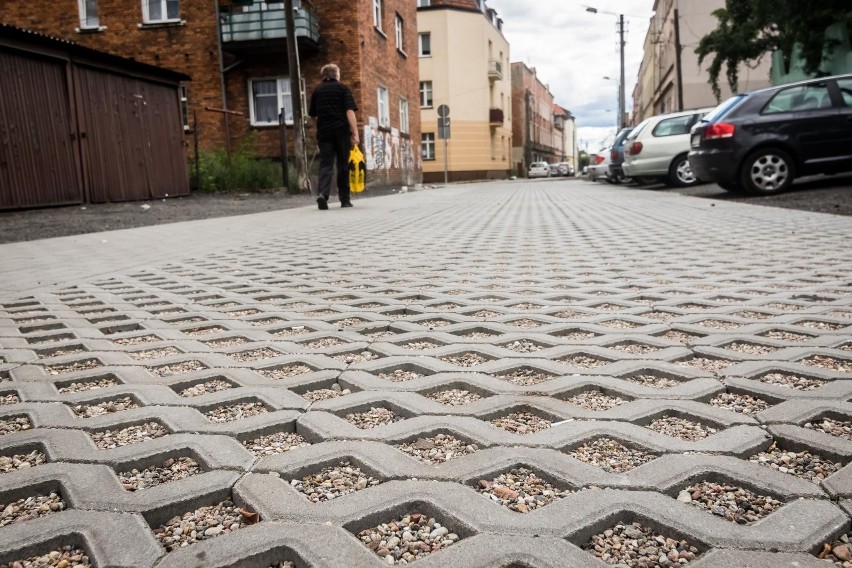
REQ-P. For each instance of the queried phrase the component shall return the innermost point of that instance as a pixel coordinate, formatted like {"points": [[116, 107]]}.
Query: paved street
{"points": [[507, 374]]}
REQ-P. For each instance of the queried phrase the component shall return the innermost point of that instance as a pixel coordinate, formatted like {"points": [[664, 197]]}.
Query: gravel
{"points": [[710, 364], [595, 400], [522, 423], [791, 381], [735, 504], [523, 346], [9, 399], [742, 403], [226, 342], [178, 368], [408, 538], [465, 360], [525, 323], [438, 449], [9, 424], [291, 331], [206, 387], [454, 397], [277, 443], [84, 365], [750, 348], [255, 355], [352, 358], [804, 465], [285, 372], [830, 363], [65, 557], [822, 325], [108, 439], [400, 376], [636, 546], [154, 353], [420, 345], [82, 386], [838, 552], [104, 408], [525, 377], [619, 324], [234, 412], [202, 524], [22, 461], [840, 429], [332, 482], [610, 455], [30, 508], [720, 324], [373, 418], [172, 469], [520, 490], [681, 428], [653, 381], [635, 348], [326, 394], [786, 335], [322, 343], [680, 337], [585, 361]]}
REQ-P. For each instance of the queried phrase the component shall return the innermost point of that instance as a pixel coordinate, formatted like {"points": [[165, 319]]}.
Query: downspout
{"points": [[222, 79]]}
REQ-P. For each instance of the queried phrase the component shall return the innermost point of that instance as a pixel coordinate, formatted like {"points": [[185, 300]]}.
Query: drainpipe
{"points": [[222, 79]]}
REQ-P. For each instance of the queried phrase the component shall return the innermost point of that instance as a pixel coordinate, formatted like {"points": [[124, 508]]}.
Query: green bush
{"points": [[244, 172]]}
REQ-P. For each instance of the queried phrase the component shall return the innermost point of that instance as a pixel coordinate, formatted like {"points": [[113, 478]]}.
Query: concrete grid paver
{"points": [[583, 287]]}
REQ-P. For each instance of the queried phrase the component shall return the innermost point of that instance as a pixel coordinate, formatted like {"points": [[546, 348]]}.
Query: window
{"points": [[673, 126], [377, 14], [403, 116], [268, 97], [423, 3], [803, 97], [845, 86], [156, 11], [400, 45], [427, 146], [425, 94], [89, 15], [184, 106], [425, 44], [384, 110]]}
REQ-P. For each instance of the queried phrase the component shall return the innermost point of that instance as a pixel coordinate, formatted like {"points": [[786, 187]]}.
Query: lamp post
{"points": [[621, 106]]}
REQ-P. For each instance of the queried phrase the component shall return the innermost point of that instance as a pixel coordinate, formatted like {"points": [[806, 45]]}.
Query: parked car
{"points": [[563, 169], [616, 156], [599, 165], [539, 169], [659, 146], [761, 140]]}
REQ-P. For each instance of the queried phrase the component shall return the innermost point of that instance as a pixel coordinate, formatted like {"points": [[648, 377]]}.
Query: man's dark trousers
{"points": [[334, 146]]}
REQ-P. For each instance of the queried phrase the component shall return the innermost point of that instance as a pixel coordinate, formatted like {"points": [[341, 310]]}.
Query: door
{"points": [[845, 138]]}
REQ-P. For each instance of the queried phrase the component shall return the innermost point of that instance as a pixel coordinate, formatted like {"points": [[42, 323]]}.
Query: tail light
{"points": [[635, 148], [599, 160], [717, 130]]}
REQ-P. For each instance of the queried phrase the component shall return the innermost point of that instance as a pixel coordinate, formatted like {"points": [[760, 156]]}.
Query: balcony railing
{"points": [[495, 70], [259, 21], [495, 116]]}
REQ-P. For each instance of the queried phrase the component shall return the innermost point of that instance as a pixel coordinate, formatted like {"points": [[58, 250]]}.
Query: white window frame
{"points": [[377, 14], [282, 91], [383, 98], [164, 7], [403, 115], [426, 99], [423, 3], [420, 49], [427, 146], [400, 24], [85, 19], [183, 95]]}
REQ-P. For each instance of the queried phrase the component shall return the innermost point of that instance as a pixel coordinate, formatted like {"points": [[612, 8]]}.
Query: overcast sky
{"points": [[573, 50]]}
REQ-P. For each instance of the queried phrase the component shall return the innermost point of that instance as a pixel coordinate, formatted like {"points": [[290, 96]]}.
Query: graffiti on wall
{"points": [[386, 150]]}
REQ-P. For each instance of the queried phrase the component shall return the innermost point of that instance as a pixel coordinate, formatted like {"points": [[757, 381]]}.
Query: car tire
{"points": [[767, 171], [680, 173]]}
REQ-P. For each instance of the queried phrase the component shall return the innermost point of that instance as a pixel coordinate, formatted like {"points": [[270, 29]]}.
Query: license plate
{"points": [[696, 140]]}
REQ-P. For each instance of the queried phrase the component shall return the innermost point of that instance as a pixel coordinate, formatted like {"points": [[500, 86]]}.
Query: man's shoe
{"points": [[322, 203], [347, 204]]}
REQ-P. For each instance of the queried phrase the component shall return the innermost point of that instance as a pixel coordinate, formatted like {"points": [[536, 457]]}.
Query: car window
{"points": [[721, 110], [799, 98], [673, 126], [638, 130], [845, 86]]}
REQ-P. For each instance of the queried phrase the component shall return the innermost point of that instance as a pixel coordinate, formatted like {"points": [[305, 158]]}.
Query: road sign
{"points": [[443, 128], [443, 111]]}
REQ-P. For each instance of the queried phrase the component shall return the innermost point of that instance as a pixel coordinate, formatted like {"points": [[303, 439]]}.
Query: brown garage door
{"points": [[38, 151]]}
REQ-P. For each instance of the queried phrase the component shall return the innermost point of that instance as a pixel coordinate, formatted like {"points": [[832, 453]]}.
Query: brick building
{"points": [[534, 134], [375, 44]]}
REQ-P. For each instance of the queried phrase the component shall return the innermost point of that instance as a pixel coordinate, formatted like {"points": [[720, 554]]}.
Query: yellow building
{"points": [[464, 64]]}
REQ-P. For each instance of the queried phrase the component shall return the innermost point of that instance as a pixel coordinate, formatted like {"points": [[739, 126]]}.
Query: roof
{"points": [[14, 36]]}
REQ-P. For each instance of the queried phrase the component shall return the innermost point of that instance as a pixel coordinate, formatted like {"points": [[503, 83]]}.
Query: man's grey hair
{"points": [[330, 71]]}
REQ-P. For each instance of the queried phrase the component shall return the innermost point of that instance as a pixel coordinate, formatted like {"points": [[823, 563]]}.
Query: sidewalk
{"points": [[496, 374]]}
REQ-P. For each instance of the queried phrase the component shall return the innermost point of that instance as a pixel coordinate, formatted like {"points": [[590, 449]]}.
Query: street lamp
{"points": [[621, 106]]}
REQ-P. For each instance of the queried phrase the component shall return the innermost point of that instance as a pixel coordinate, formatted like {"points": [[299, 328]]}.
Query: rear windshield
{"points": [[622, 136], [638, 130], [723, 109]]}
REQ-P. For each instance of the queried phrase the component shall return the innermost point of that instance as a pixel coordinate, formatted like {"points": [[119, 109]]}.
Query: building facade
{"points": [[566, 135], [236, 54], [670, 78], [535, 136], [464, 62]]}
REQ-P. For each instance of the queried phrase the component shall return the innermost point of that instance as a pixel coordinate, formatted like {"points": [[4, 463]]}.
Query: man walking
{"points": [[333, 106]]}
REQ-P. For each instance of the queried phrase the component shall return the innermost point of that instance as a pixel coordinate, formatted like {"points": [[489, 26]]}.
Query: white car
{"points": [[599, 165], [539, 169], [658, 148]]}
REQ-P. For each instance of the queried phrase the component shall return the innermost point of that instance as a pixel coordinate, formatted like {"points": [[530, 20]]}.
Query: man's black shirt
{"points": [[329, 103]]}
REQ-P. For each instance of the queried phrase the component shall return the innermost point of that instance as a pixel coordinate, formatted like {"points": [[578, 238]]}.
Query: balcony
{"points": [[495, 117], [495, 70], [261, 26]]}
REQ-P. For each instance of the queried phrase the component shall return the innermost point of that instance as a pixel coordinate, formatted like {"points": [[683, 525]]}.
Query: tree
{"points": [[749, 29]]}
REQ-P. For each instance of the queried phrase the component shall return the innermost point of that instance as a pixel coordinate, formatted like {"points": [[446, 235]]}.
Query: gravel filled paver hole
{"points": [[681, 428], [454, 397], [273, 444], [830, 363], [803, 465], [786, 335], [720, 324], [322, 343], [750, 348], [618, 324], [334, 391], [30, 508], [108, 439], [82, 386], [791, 381], [154, 353], [635, 348], [838, 552], [206, 387], [400, 375], [525, 323], [202, 524], [9, 424], [65, 557], [653, 381], [376, 416], [255, 355], [521, 490], [680, 337], [226, 342], [234, 412], [72, 367], [437, 449], [465, 360], [285, 372], [837, 428], [611, 455], [595, 400], [15, 462], [523, 346], [636, 546], [735, 504], [333, 481], [522, 423], [525, 377], [103, 408], [420, 345], [821, 325], [170, 470], [352, 358], [178, 368], [408, 538], [742, 403], [9, 399], [585, 361]]}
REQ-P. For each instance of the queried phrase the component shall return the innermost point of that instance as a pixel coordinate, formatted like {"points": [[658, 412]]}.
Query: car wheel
{"points": [[680, 173], [767, 171]]}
